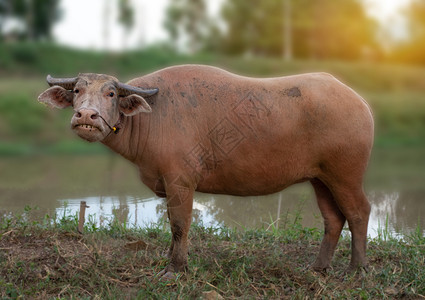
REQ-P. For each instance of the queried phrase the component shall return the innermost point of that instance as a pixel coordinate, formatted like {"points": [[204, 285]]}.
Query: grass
{"points": [[48, 259]]}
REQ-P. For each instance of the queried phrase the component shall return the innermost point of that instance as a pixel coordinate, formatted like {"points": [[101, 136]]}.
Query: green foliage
{"points": [[20, 117], [25, 53]]}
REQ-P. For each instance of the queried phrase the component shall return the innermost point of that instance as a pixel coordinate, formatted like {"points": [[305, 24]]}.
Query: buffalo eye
{"points": [[76, 91], [111, 94]]}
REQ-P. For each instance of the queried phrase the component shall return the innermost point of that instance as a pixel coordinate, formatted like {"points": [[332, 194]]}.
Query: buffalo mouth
{"points": [[89, 132], [87, 127]]}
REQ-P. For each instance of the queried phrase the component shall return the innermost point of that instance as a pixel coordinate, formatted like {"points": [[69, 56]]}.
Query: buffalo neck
{"points": [[130, 141]]}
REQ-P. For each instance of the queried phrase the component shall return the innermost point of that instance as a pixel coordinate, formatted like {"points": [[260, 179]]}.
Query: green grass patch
{"points": [[48, 259]]}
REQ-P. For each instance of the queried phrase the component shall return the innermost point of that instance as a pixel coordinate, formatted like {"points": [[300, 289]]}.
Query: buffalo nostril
{"points": [[86, 114]]}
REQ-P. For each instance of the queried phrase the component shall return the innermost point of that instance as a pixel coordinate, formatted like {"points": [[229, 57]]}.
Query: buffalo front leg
{"points": [[334, 221], [179, 208]]}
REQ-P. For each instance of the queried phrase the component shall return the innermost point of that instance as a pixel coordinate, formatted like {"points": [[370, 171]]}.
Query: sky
{"points": [[387, 13], [83, 22], [384, 9]]}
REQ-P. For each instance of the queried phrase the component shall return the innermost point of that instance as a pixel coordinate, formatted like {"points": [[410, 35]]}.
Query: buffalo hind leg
{"points": [[358, 220], [334, 221], [356, 208]]}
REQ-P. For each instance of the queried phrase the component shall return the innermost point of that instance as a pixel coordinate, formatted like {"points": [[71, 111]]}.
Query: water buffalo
{"points": [[199, 128]]}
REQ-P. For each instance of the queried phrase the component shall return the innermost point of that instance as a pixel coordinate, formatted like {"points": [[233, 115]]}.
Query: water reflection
{"points": [[249, 212], [402, 212], [134, 212], [111, 188], [129, 210]]}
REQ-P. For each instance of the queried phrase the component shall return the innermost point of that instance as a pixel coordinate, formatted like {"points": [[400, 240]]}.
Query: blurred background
{"points": [[376, 47]]}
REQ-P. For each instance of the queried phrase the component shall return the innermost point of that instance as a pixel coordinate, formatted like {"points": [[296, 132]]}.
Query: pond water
{"points": [[395, 185]]}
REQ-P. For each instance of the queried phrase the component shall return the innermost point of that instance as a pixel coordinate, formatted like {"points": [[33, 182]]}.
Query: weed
{"points": [[384, 233]]}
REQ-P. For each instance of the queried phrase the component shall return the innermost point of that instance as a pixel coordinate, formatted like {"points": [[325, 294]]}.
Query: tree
{"points": [[172, 21], [126, 18], [187, 20], [45, 14], [287, 30], [37, 15], [253, 27], [319, 28], [341, 30], [4, 8], [413, 49], [416, 16]]}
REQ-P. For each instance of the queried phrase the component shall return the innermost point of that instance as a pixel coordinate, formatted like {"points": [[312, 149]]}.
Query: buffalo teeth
{"points": [[87, 126]]}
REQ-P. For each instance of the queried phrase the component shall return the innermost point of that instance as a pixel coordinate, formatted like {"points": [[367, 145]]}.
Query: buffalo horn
{"points": [[125, 90], [66, 83]]}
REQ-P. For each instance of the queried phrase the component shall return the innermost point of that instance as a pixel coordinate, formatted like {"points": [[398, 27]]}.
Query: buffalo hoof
{"points": [[359, 270], [165, 275], [320, 269]]}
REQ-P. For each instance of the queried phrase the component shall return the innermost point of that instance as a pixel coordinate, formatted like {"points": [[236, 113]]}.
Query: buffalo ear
{"points": [[56, 97], [134, 104]]}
